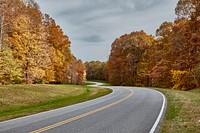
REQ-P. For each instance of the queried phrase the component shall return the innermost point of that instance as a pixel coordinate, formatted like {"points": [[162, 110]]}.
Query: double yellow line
{"points": [[81, 116]]}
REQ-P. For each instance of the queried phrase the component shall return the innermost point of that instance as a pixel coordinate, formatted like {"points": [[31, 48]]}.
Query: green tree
{"points": [[10, 72]]}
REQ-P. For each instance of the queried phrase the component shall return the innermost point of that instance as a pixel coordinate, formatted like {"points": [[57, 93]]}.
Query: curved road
{"points": [[126, 110]]}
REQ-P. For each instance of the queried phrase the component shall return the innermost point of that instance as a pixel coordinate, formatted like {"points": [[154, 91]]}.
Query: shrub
{"points": [[182, 80]]}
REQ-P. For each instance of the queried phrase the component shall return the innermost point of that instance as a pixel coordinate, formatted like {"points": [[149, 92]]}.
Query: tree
{"points": [[58, 51], [188, 9], [95, 70], [170, 60], [160, 58], [126, 53], [38, 45], [9, 11], [26, 39], [81, 73], [10, 72], [77, 72], [197, 74], [182, 80]]}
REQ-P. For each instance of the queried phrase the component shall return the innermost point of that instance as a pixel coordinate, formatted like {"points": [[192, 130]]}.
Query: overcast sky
{"points": [[92, 25]]}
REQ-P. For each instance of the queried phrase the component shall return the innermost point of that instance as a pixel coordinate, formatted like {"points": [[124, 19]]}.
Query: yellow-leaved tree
{"points": [[29, 49], [10, 72]]}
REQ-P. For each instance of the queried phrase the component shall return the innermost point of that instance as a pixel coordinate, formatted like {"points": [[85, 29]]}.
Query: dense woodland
{"points": [[96, 70], [169, 60], [33, 48]]}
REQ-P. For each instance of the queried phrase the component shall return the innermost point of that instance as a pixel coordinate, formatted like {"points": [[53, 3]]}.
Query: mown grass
{"points": [[89, 83], [183, 111], [106, 84], [21, 100]]}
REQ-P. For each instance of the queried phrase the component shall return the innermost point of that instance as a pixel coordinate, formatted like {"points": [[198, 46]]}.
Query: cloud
{"points": [[92, 38], [92, 25]]}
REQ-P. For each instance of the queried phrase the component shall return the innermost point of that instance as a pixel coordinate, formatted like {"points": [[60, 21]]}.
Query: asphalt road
{"points": [[126, 110]]}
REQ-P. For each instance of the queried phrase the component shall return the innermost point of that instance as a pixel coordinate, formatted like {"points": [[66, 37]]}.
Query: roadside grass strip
{"points": [[22, 100], [183, 111]]}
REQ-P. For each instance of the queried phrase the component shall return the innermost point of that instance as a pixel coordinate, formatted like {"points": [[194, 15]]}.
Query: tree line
{"points": [[33, 48], [96, 70], [170, 59]]}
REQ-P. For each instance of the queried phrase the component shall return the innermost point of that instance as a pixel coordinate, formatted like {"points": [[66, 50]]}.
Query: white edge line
{"points": [[160, 115]]}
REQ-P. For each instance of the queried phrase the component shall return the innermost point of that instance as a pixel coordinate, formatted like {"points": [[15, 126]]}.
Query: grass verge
{"points": [[183, 111], [22, 100], [106, 84]]}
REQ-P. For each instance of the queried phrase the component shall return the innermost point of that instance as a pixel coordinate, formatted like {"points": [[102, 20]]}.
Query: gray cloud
{"points": [[92, 25], [92, 38]]}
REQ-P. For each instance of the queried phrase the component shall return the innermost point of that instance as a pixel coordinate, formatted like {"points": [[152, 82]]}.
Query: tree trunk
{"points": [[1, 30]]}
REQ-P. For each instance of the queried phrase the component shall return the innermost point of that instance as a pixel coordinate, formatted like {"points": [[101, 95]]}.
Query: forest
{"points": [[33, 48], [171, 59]]}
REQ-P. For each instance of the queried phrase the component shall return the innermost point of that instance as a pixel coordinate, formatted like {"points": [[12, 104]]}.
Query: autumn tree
{"points": [[189, 10], [81, 73], [197, 74], [125, 55], [64, 67], [178, 48], [9, 11], [77, 72], [10, 72], [186, 42], [96, 70], [27, 42], [37, 45], [58, 50], [106, 72], [160, 71], [169, 60]]}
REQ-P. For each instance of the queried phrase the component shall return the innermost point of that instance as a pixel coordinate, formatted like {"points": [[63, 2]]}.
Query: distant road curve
{"points": [[125, 110]]}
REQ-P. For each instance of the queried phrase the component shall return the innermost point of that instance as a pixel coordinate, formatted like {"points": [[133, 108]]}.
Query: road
{"points": [[126, 110]]}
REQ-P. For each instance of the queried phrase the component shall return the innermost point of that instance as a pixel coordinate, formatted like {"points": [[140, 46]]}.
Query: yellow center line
{"points": [[81, 116]]}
